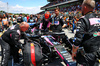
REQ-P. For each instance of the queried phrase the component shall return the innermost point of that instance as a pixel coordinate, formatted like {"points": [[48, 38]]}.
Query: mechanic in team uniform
{"points": [[57, 22], [46, 21], [87, 36], [10, 42]]}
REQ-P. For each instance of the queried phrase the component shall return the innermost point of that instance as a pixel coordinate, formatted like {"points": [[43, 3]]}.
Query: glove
{"points": [[19, 46], [98, 54], [71, 40], [90, 58]]}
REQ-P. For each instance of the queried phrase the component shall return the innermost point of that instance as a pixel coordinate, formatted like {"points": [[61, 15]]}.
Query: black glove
{"points": [[71, 40], [19, 46], [90, 58], [98, 54]]}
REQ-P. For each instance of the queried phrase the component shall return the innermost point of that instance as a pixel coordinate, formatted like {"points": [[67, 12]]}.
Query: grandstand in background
{"points": [[64, 5]]}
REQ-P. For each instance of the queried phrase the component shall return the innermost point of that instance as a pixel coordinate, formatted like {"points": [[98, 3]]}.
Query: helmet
{"points": [[24, 26], [47, 15]]}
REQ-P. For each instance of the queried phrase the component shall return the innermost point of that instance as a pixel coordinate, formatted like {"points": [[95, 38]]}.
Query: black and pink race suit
{"points": [[88, 36], [9, 43]]}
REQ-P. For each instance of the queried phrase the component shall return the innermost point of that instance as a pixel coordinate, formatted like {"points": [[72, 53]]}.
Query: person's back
{"points": [[10, 42], [87, 36], [31, 20], [5, 23], [35, 18], [92, 37], [14, 21], [4, 20], [25, 18], [20, 19], [6, 36]]}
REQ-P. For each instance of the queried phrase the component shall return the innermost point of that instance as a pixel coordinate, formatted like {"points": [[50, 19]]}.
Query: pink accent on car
{"points": [[59, 53], [67, 65], [48, 41], [53, 37], [33, 29]]}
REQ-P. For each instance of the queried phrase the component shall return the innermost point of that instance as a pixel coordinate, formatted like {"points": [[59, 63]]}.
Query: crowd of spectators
{"points": [[71, 7], [76, 7]]}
